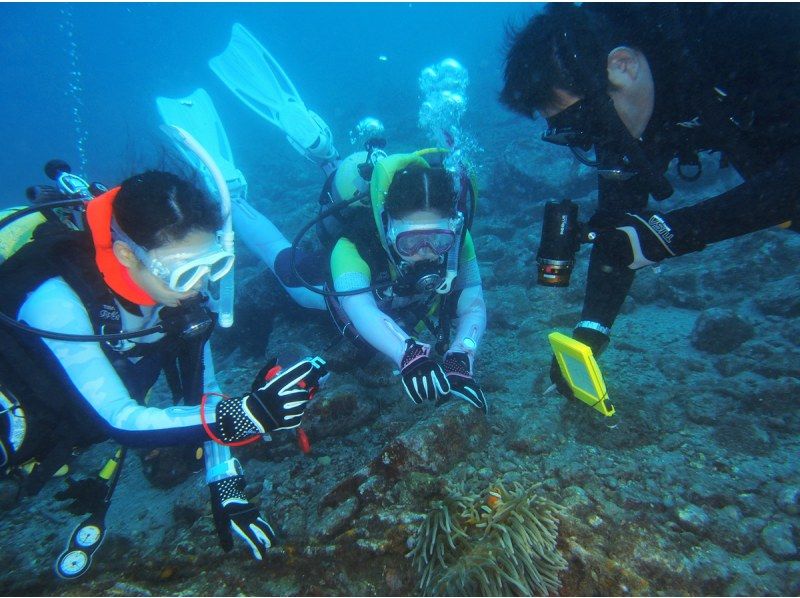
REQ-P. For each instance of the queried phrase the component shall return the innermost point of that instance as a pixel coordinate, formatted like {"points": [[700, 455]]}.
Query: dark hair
{"points": [[565, 47], [156, 208], [419, 188]]}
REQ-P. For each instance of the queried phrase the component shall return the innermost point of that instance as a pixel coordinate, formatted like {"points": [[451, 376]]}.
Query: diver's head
{"points": [[570, 55], [422, 221], [164, 232]]}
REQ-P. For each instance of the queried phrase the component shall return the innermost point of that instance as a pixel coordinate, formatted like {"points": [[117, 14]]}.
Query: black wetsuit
{"points": [[727, 78]]}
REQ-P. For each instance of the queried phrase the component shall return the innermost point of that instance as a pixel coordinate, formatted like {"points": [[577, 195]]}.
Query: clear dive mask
{"points": [[409, 239], [182, 270]]}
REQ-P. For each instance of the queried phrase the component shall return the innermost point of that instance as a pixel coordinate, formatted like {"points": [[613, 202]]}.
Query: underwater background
{"points": [[692, 488]]}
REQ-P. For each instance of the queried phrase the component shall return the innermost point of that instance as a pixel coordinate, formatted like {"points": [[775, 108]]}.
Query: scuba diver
{"points": [[421, 253], [410, 255], [643, 85], [99, 298]]}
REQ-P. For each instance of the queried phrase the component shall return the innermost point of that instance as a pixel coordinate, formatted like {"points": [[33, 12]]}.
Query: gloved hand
{"points": [[234, 514], [277, 400], [644, 239], [423, 378], [462, 385], [87, 495]]}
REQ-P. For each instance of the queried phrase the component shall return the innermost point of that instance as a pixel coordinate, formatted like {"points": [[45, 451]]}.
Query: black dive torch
{"points": [[561, 237]]}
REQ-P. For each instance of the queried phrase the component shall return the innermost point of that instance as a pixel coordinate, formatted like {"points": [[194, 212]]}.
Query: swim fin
{"points": [[250, 72], [580, 370], [196, 114]]}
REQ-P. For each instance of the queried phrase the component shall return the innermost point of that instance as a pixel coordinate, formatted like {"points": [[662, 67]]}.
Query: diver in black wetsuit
{"points": [[643, 84]]}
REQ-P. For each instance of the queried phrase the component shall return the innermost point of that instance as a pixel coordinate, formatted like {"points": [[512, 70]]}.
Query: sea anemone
{"points": [[497, 543]]}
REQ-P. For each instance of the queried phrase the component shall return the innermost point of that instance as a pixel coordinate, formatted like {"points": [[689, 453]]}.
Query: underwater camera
{"points": [[561, 238]]}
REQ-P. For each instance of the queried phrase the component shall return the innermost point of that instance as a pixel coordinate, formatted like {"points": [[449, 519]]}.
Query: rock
{"points": [[732, 513], [706, 408], [338, 411], [776, 396], [789, 500], [8, 494], [693, 518], [738, 535], [760, 562], [169, 466], [777, 539], [720, 331], [595, 521], [711, 568], [791, 578], [377, 374], [491, 247], [742, 435], [774, 300], [122, 588], [680, 287], [335, 520], [575, 497], [749, 503], [434, 445]]}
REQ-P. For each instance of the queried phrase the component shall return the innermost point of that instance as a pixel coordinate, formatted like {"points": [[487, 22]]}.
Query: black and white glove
{"points": [[644, 239], [462, 385], [277, 400], [423, 378], [233, 514]]}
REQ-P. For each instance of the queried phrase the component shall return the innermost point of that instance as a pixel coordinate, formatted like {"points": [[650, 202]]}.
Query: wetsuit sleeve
{"points": [[766, 199], [210, 383], [607, 284], [467, 249], [345, 259], [101, 394], [351, 272], [264, 239], [470, 321], [469, 274], [471, 307]]}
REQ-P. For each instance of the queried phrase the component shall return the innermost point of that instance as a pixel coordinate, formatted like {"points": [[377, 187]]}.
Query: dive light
{"points": [[561, 238]]}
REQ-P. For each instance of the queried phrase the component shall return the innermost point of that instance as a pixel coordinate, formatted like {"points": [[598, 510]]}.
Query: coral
{"points": [[498, 543]]}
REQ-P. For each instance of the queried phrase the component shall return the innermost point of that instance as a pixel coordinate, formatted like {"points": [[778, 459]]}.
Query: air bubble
{"points": [[74, 88]]}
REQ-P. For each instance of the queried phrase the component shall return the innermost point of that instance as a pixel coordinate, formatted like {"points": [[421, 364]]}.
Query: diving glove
{"points": [[458, 369], [233, 513], [423, 378], [645, 239], [87, 495], [277, 400]]}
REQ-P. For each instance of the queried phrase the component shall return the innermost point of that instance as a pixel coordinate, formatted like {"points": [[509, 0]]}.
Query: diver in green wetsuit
{"points": [[417, 266], [415, 243]]}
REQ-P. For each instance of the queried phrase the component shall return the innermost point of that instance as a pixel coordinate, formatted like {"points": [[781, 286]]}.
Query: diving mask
{"points": [[572, 127], [181, 270], [409, 239], [593, 130]]}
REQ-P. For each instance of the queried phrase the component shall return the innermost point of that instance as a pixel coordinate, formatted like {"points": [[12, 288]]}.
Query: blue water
{"points": [[127, 54]]}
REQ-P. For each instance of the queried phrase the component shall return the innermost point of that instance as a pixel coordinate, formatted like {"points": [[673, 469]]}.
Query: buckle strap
{"points": [[594, 326]]}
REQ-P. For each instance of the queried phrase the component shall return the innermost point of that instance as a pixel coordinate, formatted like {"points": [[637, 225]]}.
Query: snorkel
{"points": [[226, 285]]}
